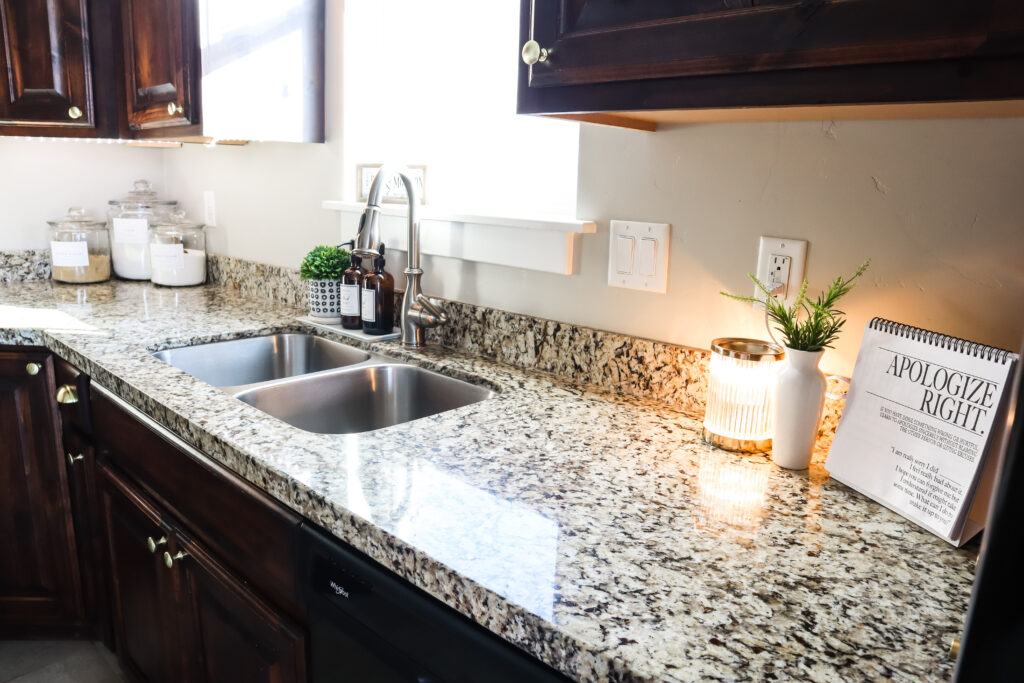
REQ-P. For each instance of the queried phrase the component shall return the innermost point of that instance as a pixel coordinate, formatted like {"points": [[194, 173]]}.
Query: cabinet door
{"points": [[603, 41], [144, 592], [46, 76], [162, 63], [233, 635], [39, 581]]}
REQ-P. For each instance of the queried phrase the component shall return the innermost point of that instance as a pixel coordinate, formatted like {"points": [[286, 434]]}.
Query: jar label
{"points": [[131, 230], [369, 305], [350, 299], [167, 256], [69, 254]]}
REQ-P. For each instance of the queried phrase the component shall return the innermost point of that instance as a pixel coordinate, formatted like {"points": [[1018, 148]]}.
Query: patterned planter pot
{"points": [[325, 300]]}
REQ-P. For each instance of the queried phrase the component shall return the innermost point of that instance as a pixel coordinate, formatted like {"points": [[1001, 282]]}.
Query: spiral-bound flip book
{"points": [[923, 414]]}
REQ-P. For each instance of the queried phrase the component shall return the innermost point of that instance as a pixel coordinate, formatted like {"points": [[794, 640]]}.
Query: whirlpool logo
{"points": [[338, 590]]}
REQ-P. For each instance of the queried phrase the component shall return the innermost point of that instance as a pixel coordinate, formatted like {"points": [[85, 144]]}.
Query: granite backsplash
{"points": [[668, 373]]}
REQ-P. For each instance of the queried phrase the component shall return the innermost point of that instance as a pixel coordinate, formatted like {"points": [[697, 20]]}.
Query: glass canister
{"points": [[177, 252], [130, 218], [79, 248]]}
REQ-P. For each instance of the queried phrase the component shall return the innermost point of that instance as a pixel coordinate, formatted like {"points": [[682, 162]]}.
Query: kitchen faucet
{"points": [[418, 311]]}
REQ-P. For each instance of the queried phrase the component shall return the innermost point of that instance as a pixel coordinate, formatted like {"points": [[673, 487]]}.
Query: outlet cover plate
{"points": [[782, 246], [651, 244]]}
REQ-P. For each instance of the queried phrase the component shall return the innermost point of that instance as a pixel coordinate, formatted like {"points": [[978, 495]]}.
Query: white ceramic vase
{"points": [[799, 398], [325, 300]]}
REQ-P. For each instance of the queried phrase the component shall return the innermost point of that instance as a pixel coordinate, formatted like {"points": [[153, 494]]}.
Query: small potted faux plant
{"points": [[322, 269], [807, 328]]}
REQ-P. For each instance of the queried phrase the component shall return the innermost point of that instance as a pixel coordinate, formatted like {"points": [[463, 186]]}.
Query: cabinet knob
{"points": [[75, 112], [175, 108], [72, 459], [153, 545], [533, 52], [954, 648], [33, 368], [67, 394], [169, 559]]}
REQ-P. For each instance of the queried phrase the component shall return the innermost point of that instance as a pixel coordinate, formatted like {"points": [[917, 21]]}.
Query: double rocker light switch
{"points": [[638, 256]]}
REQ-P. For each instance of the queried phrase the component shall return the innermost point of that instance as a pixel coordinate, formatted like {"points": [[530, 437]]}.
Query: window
{"points": [[434, 83]]}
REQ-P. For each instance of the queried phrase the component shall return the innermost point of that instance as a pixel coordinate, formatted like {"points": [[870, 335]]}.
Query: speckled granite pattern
{"points": [[593, 530], [24, 265], [257, 280]]}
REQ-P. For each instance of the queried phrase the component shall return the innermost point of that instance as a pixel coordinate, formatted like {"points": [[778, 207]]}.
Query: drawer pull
{"points": [[169, 559], [67, 394], [153, 545], [175, 109], [72, 459], [33, 368]]}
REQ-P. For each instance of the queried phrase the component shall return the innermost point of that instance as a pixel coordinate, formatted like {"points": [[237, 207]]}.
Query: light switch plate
{"points": [[649, 255], [771, 264]]}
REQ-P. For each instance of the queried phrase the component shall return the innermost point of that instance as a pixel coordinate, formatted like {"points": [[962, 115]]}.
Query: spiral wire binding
{"points": [[943, 341]]}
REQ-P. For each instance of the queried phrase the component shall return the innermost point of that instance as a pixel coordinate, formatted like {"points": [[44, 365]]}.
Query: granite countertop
{"points": [[596, 532]]}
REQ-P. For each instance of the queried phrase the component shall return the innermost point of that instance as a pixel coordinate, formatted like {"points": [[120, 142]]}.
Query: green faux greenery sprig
{"points": [[821, 322], [324, 263]]}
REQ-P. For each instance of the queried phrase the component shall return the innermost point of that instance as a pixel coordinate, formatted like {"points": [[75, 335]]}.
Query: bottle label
{"points": [[131, 230], [350, 299], [167, 256], [69, 254], [369, 305]]}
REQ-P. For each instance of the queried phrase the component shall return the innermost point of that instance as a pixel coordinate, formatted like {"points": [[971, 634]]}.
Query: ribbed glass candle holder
{"points": [[738, 416]]}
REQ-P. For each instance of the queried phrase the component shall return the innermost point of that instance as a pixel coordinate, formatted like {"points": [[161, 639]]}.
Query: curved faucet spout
{"points": [[418, 312]]}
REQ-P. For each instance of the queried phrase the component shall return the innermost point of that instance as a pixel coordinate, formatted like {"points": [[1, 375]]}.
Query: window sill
{"points": [[543, 243]]}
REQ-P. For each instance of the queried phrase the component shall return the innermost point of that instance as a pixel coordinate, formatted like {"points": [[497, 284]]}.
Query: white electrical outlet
{"points": [[209, 209], [780, 266]]}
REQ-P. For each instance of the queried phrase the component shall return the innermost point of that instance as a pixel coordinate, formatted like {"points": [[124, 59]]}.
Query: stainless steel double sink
{"points": [[323, 386]]}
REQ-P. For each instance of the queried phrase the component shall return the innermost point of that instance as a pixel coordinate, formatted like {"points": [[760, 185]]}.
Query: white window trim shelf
{"points": [[543, 243]]}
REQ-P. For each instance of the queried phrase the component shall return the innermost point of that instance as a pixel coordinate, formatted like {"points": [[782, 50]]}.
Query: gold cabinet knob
{"points": [[67, 394], [33, 368], [75, 112], [153, 545], [954, 648], [175, 108], [533, 52], [72, 459], [169, 559]]}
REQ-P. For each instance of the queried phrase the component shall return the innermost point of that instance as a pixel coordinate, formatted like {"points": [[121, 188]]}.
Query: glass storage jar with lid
{"points": [[177, 251], [130, 218], [79, 248]]}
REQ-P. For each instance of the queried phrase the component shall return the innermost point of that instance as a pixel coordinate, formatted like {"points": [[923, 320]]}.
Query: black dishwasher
{"points": [[369, 626]]}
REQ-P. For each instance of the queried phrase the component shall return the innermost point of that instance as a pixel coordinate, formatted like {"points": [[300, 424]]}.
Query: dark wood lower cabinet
{"points": [[110, 525], [144, 593], [40, 588], [183, 607], [232, 635]]}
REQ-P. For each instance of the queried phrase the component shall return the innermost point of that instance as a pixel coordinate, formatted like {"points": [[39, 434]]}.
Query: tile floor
{"points": [[57, 661]]}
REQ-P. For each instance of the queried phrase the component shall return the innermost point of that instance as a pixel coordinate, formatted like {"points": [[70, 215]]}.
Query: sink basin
{"points": [[363, 399], [239, 362]]}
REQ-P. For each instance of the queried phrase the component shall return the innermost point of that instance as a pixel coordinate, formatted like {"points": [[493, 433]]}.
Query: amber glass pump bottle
{"points": [[378, 303], [351, 284]]}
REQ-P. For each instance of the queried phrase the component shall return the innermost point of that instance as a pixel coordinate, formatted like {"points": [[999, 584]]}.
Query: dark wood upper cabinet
{"points": [[40, 588], [161, 63], [168, 69], [614, 56], [47, 71]]}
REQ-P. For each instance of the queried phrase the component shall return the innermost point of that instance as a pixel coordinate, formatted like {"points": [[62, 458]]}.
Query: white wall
{"points": [[937, 205], [40, 178]]}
